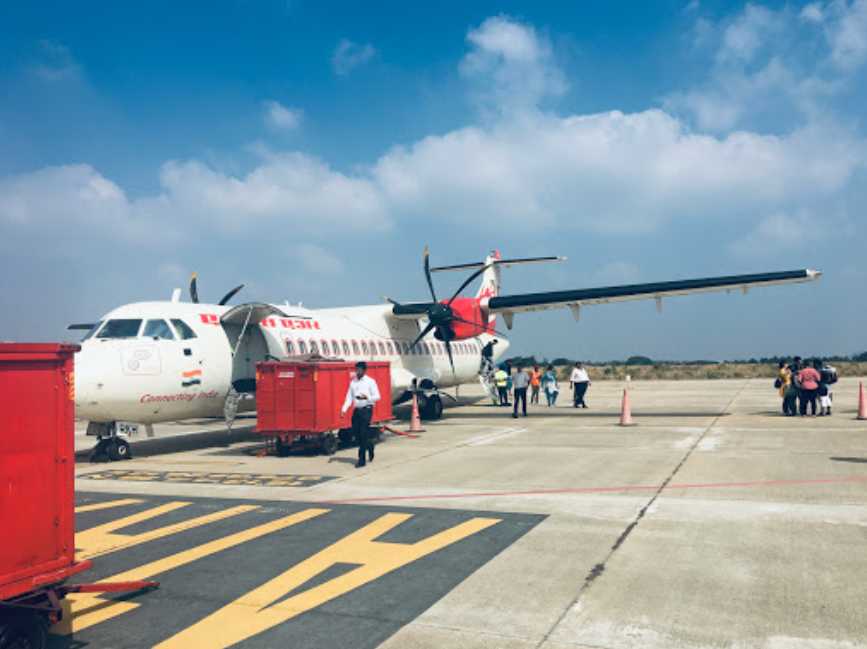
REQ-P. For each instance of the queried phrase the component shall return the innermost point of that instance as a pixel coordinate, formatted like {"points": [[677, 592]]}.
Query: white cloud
{"points": [[775, 68], [511, 67], [813, 12], [280, 117], [316, 259], [781, 231], [349, 55], [848, 33], [742, 38], [609, 172], [55, 62]]}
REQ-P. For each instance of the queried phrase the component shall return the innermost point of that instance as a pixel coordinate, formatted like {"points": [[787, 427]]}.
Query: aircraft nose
{"points": [[91, 369]]}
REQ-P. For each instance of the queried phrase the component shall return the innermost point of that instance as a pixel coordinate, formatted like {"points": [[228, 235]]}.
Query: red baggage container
{"points": [[36, 466], [303, 398]]}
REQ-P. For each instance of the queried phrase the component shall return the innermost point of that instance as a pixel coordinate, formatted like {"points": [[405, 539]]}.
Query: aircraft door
{"points": [[247, 342]]}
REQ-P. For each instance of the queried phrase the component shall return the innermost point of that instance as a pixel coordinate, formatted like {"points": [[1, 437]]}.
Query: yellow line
{"points": [[86, 609], [256, 611], [106, 505], [103, 538]]}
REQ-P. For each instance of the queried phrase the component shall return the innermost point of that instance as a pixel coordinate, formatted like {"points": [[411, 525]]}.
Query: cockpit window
{"points": [[184, 330], [158, 329], [121, 328]]}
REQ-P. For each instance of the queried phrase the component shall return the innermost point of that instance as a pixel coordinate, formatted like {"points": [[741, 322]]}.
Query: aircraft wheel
{"points": [[118, 449], [23, 631], [329, 443], [433, 409]]}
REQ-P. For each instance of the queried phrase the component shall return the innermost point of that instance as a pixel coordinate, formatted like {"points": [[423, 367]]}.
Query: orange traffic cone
{"points": [[415, 419], [862, 402], [626, 410]]}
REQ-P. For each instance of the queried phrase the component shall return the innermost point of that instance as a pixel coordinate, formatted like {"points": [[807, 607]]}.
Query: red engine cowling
{"points": [[469, 310]]}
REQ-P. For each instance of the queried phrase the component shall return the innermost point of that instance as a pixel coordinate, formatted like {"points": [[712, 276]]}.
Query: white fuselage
{"points": [[176, 375]]}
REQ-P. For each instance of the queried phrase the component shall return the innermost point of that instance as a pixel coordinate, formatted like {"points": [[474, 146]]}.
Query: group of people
{"points": [[536, 381], [802, 384]]}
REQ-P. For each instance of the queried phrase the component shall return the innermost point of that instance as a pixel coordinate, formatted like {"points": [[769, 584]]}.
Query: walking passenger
{"points": [[808, 378], [580, 381], [784, 384], [521, 381], [552, 389], [535, 384]]}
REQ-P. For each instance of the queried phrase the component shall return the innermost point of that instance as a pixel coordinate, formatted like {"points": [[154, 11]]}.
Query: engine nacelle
{"points": [[470, 311]]}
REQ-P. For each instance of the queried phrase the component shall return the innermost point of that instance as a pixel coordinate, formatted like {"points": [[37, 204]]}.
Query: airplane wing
{"points": [[508, 305]]}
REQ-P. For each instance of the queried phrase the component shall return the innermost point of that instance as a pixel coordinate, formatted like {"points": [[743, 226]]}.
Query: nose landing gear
{"points": [[111, 442]]}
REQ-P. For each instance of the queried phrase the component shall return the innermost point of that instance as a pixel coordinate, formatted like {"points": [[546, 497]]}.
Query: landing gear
{"points": [[111, 443], [431, 408]]}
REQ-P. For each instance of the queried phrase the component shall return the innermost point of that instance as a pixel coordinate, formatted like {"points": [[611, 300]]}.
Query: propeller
{"points": [[194, 291], [440, 315]]}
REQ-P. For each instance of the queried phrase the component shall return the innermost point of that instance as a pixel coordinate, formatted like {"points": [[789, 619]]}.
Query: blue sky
{"points": [[289, 144]]}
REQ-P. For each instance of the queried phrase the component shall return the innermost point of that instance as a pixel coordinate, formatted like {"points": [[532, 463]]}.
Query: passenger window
{"points": [[324, 345], [364, 348], [382, 349], [183, 329], [355, 349], [158, 329], [290, 348], [302, 347], [122, 328], [335, 348], [346, 351], [314, 348]]}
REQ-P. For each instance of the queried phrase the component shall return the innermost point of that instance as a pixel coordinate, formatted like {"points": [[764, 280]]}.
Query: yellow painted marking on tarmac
{"points": [[83, 610], [257, 611], [104, 538], [106, 505]]}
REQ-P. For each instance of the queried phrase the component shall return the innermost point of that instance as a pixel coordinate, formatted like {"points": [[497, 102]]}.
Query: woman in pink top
{"points": [[809, 378]]}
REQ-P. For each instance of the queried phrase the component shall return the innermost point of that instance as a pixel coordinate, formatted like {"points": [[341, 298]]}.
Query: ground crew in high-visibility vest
{"points": [[501, 379], [535, 384]]}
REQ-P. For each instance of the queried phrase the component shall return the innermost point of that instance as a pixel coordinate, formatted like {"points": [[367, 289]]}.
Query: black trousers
{"points": [[790, 404], [808, 396], [578, 392], [521, 395], [503, 391], [361, 430]]}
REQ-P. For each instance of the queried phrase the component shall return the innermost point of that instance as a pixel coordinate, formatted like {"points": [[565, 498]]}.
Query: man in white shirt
{"points": [[580, 381], [363, 393]]}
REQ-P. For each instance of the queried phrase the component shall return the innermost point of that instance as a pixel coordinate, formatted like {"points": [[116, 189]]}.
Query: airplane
{"points": [[151, 362]]}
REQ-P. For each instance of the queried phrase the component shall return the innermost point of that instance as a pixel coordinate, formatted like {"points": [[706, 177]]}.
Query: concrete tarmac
{"points": [[714, 522]]}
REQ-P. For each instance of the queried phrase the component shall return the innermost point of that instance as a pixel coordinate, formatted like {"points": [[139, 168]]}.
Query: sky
{"points": [[311, 151]]}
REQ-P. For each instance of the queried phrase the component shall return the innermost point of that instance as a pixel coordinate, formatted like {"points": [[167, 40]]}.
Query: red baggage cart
{"points": [[298, 401], [37, 456]]}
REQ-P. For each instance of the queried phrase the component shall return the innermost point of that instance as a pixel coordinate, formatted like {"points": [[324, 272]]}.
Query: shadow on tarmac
{"points": [[501, 411], [855, 460]]}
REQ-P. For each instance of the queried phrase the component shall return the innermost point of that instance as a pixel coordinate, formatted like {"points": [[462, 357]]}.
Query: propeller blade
{"points": [[194, 289], [430, 327], [228, 296], [427, 273], [451, 358], [468, 281]]}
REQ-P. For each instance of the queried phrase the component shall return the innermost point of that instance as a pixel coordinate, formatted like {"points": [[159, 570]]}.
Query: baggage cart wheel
{"points": [[329, 443], [118, 449], [23, 630], [281, 447]]}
